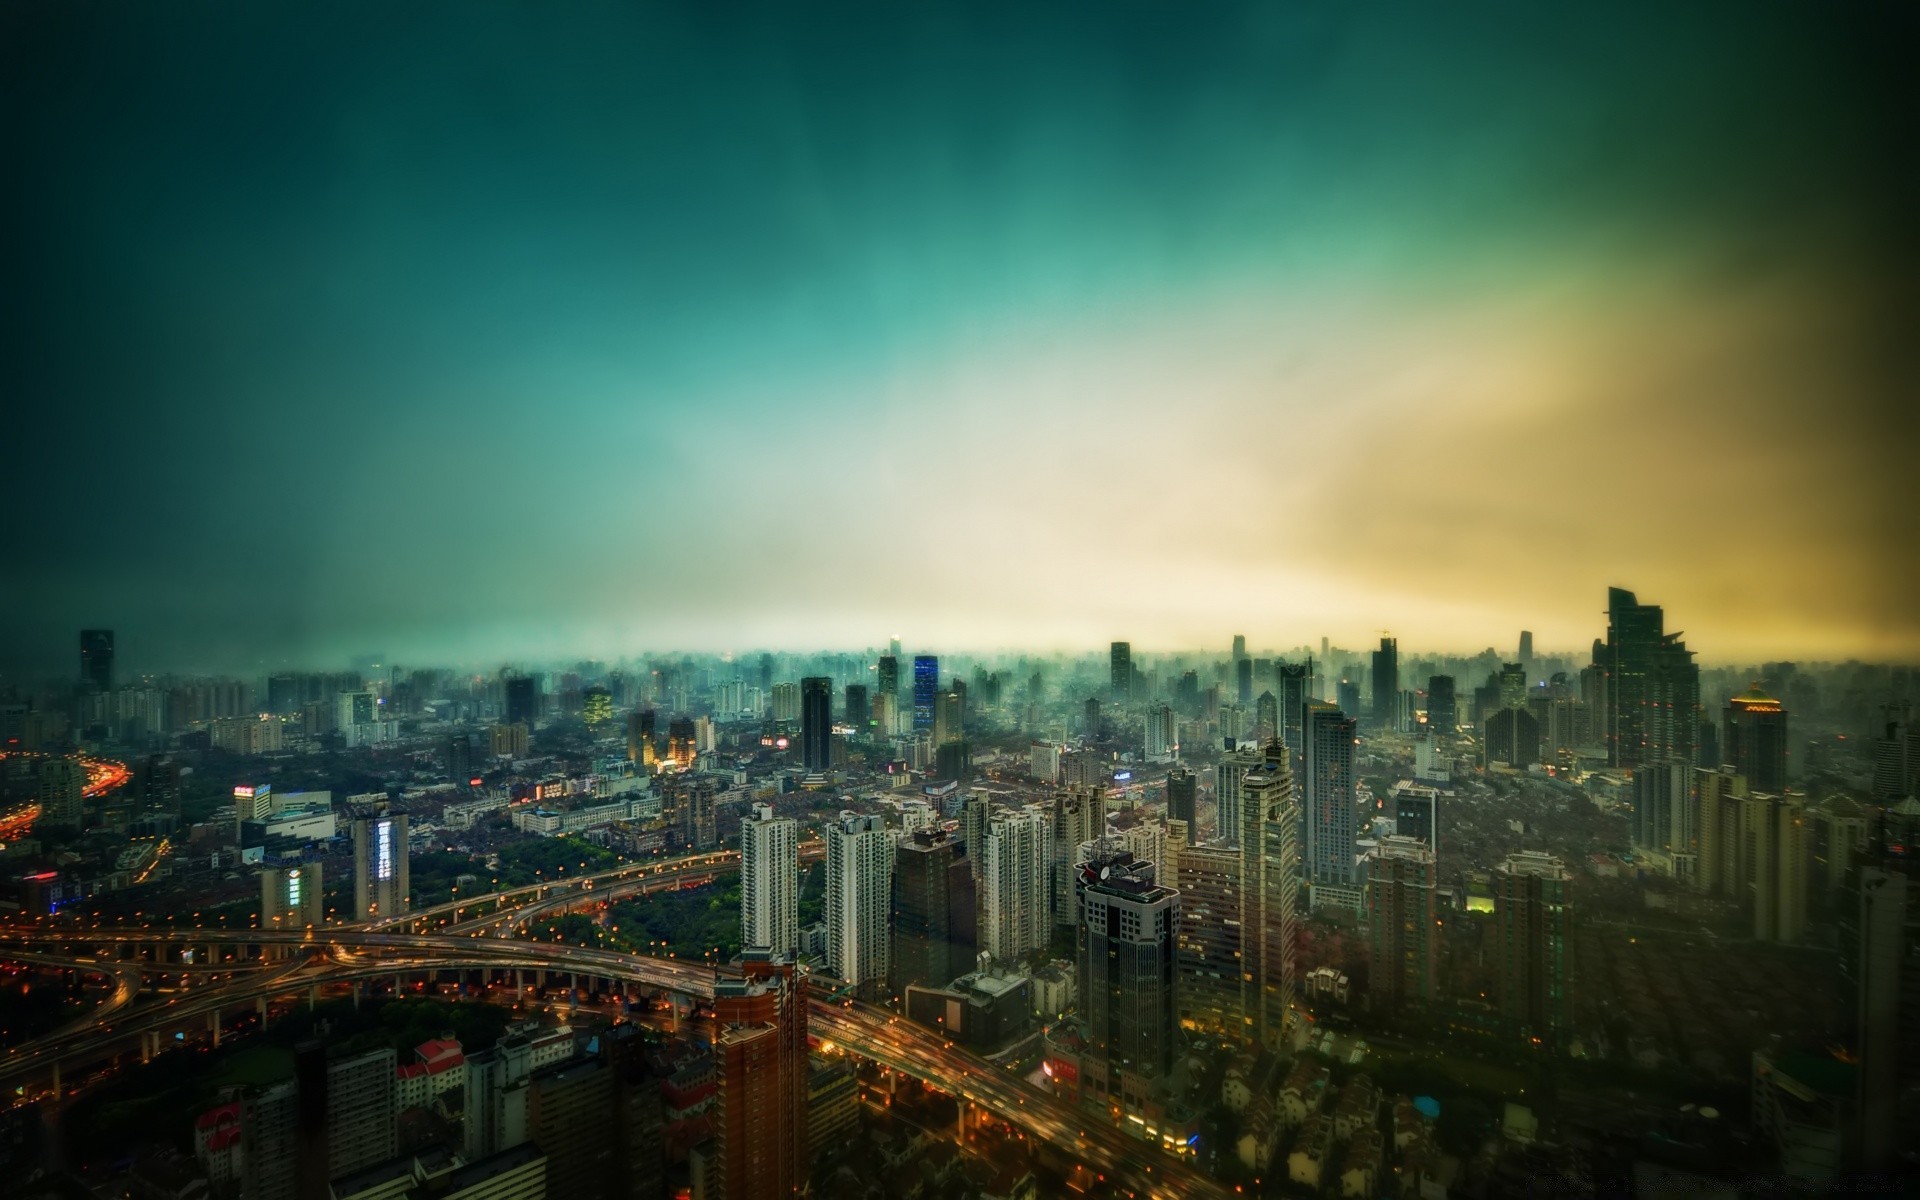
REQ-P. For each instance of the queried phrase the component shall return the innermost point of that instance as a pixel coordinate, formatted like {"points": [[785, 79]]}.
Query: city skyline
{"points": [[562, 336]]}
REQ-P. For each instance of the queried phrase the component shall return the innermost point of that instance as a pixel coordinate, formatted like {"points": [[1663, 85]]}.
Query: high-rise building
{"points": [[1754, 739], [1227, 778], [1269, 883], [760, 1057], [859, 715], [1386, 684], [1347, 692], [770, 882], [1880, 928], [683, 743], [570, 1117], [1181, 790], [1443, 714], [96, 659], [1526, 646], [60, 786], [1120, 670], [1403, 923], [1533, 916], [933, 910], [887, 676], [859, 894], [1896, 754], [1016, 906], [949, 717], [1663, 811], [1652, 686], [1160, 743], [786, 704], [361, 1130], [1079, 816], [974, 810], [1513, 738], [1243, 681], [1416, 813], [1208, 879], [926, 686], [1775, 841], [1129, 977], [1840, 829], [1716, 831], [643, 733], [1329, 801], [292, 897], [1239, 646], [1266, 718], [380, 863], [816, 722], [508, 741], [523, 700], [1296, 684]]}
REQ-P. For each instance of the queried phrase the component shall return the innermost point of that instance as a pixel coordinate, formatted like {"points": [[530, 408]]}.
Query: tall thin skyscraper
{"points": [[1533, 941], [926, 688], [859, 716], [1079, 816], [933, 910], [1295, 690], [96, 659], [1266, 719], [1652, 686], [1880, 928], [1239, 646], [1755, 739], [1120, 669], [1016, 909], [1526, 646], [1243, 681], [1896, 754], [816, 722], [1181, 790], [1403, 923], [380, 866], [859, 897], [760, 1057], [974, 810], [1129, 974], [1269, 882], [888, 681], [1330, 799], [1386, 684], [523, 700], [770, 882], [1443, 714], [1228, 777]]}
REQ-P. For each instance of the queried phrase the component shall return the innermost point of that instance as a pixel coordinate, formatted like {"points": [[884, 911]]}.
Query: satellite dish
{"points": [[1105, 871]]}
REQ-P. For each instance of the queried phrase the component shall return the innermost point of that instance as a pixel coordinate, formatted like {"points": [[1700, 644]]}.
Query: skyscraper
{"points": [[859, 715], [380, 866], [1716, 829], [1652, 686], [1266, 720], [926, 686], [1016, 909], [1663, 814], [1386, 684], [1228, 776], [859, 895], [1079, 816], [933, 910], [1526, 646], [1239, 646], [1296, 685], [1243, 681], [974, 810], [816, 722], [96, 659], [643, 746], [770, 882], [1533, 944], [887, 682], [1181, 791], [292, 897], [1443, 714], [1348, 693], [1128, 976], [1880, 929], [1896, 754], [1159, 743], [523, 700], [1120, 670], [1403, 918], [1754, 739], [1269, 883], [1329, 804], [760, 1057]]}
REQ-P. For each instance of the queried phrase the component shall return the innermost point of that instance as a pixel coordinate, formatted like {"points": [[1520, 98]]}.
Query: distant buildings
{"points": [[1386, 684], [96, 659], [816, 722], [1754, 739], [770, 882], [926, 684], [1120, 670]]}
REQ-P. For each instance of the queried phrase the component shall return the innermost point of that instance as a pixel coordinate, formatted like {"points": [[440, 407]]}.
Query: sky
{"points": [[476, 332]]}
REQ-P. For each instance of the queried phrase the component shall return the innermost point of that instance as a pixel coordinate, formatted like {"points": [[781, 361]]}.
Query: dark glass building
{"points": [[816, 722], [1386, 684], [1755, 739], [1129, 975], [926, 689], [96, 659], [1180, 800], [1443, 714], [1120, 666], [933, 911], [888, 684], [1653, 686], [523, 700], [859, 715]]}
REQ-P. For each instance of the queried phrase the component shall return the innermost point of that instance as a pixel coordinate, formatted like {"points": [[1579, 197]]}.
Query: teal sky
{"points": [[482, 331]]}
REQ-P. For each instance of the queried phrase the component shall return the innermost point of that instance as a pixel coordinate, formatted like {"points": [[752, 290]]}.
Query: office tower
{"points": [[1513, 738], [523, 701], [292, 897], [643, 746], [1016, 902], [949, 717], [1079, 816], [1532, 944], [1239, 646], [933, 910], [1663, 812], [1269, 882], [380, 875], [1181, 790], [1128, 976], [1526, 646], [886, 715], [96, 659], [1652, 686], [1443, 714], [1348, 692], [1513, 684], [859, 894], [1296, 683], [760, 1057], [786, 703], [1329, 799], [682, 743], [974, 810], [1716, 828], [1208, 879], [1266, 719], [1896, 754], [1755, 739], [887, 682], [770, 882], [926, 685], [1839, 833], [1227, 775], [1386, 683], [1416, 813], [1243, 681], [816, 722], [1160, 744], [859, 715], [1880, 930], [1403, 923], [459, 758], [1090, 716], [361, 1130], [1120, 670]]}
